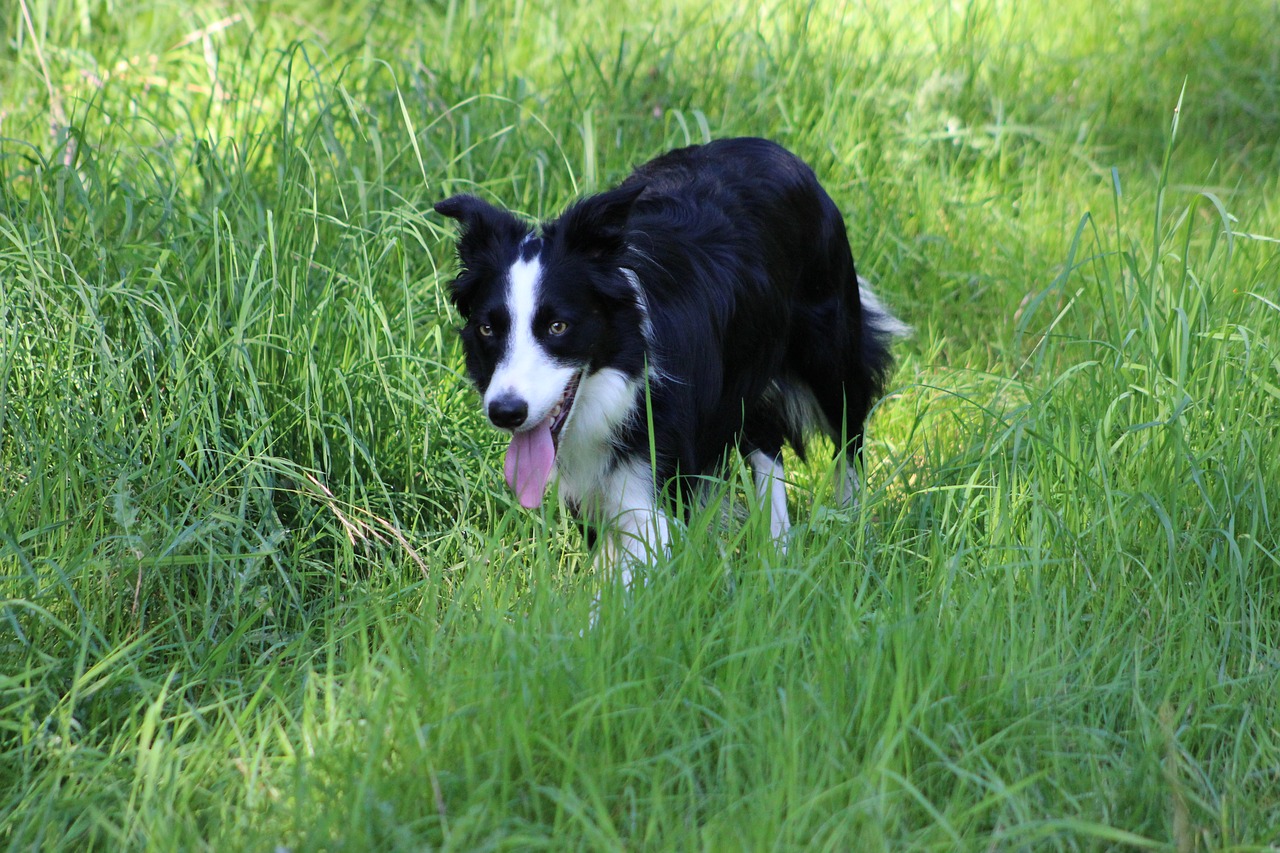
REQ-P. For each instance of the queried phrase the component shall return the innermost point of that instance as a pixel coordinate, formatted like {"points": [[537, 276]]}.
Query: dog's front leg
{"points": [[636, 539], [635, 532]]}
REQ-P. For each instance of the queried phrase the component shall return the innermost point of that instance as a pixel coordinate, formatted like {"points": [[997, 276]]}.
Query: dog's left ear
{"points": [[597, 225]]}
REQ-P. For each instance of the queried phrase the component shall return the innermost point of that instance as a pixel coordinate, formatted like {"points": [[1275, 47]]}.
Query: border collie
{"points": [[707, 303]]}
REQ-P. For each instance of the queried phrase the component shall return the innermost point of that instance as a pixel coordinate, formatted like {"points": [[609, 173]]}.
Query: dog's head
{"points": [[542, 314]]}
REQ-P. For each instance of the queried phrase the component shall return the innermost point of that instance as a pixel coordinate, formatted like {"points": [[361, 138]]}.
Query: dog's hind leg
{"points": [[776, 418], [842, 397], [845, 364], [848, 484], [771, 489]]}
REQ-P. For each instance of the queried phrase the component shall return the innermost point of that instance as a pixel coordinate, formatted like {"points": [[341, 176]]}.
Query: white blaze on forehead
{"points": [[523, 283], [519, 356], [526, 369]]}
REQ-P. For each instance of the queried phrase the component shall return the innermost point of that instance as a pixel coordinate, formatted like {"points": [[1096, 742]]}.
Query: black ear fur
{"points": [[467, 209], [597, 225], [483, 225], [486, 232]]}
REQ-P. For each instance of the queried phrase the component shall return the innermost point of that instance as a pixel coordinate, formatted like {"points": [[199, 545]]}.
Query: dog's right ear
{"points": [[486, 230], [467, 209], [483, 225]]}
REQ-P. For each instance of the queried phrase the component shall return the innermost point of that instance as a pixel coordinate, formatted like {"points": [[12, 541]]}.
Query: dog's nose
{"points": [[508, 411]]}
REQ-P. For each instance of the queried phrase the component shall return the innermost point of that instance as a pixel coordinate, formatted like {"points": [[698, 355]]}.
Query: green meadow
{"points": [[263, 588]]}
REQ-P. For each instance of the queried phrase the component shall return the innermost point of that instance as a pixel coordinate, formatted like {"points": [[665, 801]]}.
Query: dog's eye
{"points": [[485, 330], [558, 327]]}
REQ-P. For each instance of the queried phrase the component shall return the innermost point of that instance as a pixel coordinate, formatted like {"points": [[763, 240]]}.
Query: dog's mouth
{"points": [[559, 415], [532, 454]]}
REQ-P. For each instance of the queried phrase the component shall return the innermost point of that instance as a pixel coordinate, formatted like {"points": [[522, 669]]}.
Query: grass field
{"points": [[262, 586]]}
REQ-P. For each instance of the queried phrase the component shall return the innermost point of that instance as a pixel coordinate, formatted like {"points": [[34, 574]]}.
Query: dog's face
{"points": [[543, 314]]}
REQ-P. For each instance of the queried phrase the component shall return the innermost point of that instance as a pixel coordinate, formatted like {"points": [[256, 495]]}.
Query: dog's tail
{"points": [[879, 329]]}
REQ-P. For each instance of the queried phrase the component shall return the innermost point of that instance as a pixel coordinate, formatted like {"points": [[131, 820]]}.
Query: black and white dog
{"points": [[708, 302]]}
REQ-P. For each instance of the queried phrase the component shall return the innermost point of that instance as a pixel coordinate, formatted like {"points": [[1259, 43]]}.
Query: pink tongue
{"points": [[529, 461]]}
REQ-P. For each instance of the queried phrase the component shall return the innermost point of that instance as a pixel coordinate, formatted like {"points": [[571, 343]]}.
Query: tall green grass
{"points": [[261, 585]]}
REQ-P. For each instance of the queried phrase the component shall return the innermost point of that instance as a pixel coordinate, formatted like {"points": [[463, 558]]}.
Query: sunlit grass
{"points": [[260, 582]]}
